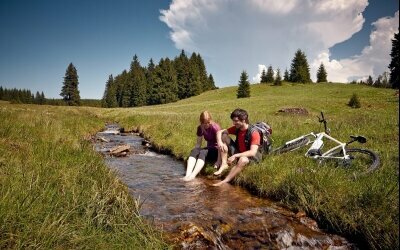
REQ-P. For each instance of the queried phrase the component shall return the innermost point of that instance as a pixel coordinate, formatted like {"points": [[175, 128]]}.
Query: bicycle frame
{"points": [[317, 144]]}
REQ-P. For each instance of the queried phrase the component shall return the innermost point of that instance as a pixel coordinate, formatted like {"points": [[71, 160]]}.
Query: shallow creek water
{"points": [[196, 215]]}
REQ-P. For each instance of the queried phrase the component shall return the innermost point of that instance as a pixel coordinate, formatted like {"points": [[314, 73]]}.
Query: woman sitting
{"points": [[207, 129]]}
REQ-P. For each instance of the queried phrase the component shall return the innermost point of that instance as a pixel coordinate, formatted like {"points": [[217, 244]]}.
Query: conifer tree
{"points": [[378, 82], [69, 91], [321, 74], [110, 94], [194, 82], [211, 82], [181, 64], [204, 84], [39, 98], [138, 84], [270, 75], [151, 85], [394, 65], [244, 86], [42, 98], [300, 70], [166, 87], [122, 91], [370, 82], [263, 77], [278, 78], [286, 76]]}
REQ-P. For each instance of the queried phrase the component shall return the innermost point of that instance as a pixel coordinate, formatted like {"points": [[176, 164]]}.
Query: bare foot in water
{"points": [[189, 178], [221, 169], [219, 183]]}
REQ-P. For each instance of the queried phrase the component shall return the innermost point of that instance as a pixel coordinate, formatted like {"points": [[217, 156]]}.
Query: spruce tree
{"points": [[138, 84], [42, 98], [211, 82], [151, 85], [69, 91], [166, 88], [300, 70], [122, 89], [286, 77], [321, 74], [203, 78], [244, 86], [194, 82], [270, 75], [278, 78], [110, 94], [263, 76], [370, 82], [394, 65], [181, 64], [378, 82], [37, 97]]}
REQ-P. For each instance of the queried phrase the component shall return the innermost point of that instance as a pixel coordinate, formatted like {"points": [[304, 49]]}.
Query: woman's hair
{"points": [[241, 114], [205, 117]]}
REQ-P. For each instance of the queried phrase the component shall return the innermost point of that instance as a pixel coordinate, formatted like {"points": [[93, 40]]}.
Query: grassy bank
{"points": [[55, 191], [366, 208]]}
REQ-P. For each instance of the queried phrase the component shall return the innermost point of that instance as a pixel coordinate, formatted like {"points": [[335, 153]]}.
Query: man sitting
{"points": [[245, 149]]}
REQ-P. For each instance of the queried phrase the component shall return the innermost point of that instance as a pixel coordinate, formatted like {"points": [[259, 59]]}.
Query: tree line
{"points": [[168, 81], [21, 96], [300, 73], [183, 77]]}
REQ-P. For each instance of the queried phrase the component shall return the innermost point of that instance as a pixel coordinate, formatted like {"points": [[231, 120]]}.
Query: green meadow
{"points": [[56, 192]]}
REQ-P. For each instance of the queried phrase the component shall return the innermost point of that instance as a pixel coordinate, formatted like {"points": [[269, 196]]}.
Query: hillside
{"points": [[366, 208], [56, 192]]}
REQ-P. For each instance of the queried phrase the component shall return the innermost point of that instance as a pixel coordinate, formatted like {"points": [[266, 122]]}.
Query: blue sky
{"points": [[40, 38]]}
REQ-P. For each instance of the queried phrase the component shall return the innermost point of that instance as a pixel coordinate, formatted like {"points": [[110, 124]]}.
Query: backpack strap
{"points": [[247, 137]]}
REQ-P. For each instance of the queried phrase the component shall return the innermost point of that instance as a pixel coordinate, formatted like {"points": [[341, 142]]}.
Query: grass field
{"points": [[56, 192], [366, 209]]}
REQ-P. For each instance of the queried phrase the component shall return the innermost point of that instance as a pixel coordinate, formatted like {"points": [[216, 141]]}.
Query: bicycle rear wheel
{"points": [[362, 161], [291, 146]]}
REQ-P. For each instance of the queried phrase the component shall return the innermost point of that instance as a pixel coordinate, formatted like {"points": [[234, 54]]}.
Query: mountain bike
{"points": [[358, 161]]}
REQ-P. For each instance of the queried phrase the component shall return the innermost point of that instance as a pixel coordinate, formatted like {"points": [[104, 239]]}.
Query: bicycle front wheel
{"points": [[291, 146], [362, 161]]}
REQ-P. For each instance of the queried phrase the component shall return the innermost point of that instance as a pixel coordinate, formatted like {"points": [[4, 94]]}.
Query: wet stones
{"points": [[120, 151]]}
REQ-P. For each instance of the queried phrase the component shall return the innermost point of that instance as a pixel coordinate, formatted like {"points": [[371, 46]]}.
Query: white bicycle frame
{"points": [[318, 144]]}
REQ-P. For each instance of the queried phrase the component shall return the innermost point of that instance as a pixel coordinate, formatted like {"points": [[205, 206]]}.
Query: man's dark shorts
{"points": [[233, 150]]}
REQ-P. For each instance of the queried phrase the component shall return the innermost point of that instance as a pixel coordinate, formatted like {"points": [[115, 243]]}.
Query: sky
{"points": [[39, 38]]}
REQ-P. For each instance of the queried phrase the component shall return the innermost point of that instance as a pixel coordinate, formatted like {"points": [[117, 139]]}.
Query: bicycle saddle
{"points": [[359, 138]]}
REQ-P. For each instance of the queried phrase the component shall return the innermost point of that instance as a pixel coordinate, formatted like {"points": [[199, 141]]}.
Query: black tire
{"points": [[292, 146], [362, 161]]}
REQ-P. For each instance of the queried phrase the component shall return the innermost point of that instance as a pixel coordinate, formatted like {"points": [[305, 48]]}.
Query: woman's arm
{"points": [[199, 141]]}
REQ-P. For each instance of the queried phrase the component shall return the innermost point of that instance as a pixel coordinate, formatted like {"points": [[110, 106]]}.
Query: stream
{"points": [[196, 215]]}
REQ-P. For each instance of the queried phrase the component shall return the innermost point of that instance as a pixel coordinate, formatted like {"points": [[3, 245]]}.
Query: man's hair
{"points": [[241, 114]]}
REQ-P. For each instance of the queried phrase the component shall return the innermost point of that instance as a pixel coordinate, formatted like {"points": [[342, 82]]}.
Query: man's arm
{"points": [[249, 153], [219, 139]]}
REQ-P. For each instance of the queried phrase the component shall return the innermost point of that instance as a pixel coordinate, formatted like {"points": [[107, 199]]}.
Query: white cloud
{"points": [[257, 78], [236, 35], [373, 59]]}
